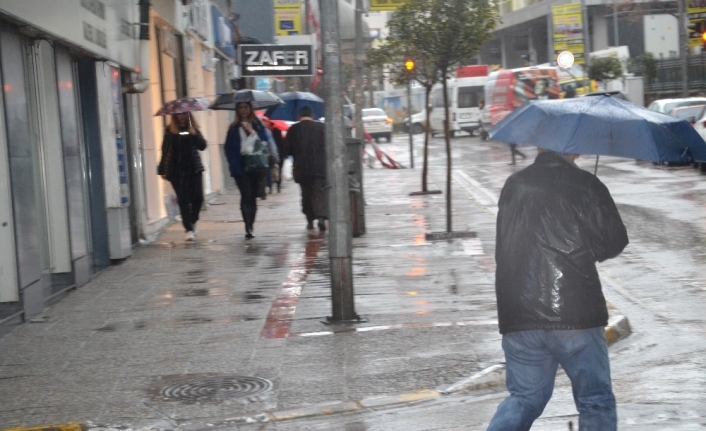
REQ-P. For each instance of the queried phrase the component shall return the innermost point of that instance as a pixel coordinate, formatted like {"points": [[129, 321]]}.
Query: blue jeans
{"points": [[532, 358]]}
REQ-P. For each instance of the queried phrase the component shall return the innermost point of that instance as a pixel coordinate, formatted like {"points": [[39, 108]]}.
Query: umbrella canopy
{"points": [[601, 125], [185, 104], [258, 99], [294, 101], [282, 125]]}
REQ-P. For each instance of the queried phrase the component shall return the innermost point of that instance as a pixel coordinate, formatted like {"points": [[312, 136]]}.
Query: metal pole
{"points": [[359, 197], [409, 122], [683, 48], [586, 36], [615, 25], [340, 234], [359, 69]]}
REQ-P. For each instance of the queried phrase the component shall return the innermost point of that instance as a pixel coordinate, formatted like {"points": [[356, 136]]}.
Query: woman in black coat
{"points": [[181, 165]]}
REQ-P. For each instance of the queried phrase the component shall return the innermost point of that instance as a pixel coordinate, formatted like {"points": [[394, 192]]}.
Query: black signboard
{"points": [[276, 60]]}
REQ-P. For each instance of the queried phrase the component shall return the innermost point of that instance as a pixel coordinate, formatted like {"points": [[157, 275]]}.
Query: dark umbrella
{"points": [[294, 101], [601, 125], [185, 104], [258, 99]]}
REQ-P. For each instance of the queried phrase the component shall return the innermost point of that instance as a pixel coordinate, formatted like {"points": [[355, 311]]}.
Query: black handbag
{"points": [[258, 160]]}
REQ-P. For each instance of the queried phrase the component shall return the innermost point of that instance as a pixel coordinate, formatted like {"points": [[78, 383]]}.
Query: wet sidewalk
{"points": [[182, 335]]}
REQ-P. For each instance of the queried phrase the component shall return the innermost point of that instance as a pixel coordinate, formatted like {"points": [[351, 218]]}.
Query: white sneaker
{"points": [[190, 236], [196, 231]]}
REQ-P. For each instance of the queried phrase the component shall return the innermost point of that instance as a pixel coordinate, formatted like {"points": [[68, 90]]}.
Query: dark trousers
{"points": [[249, 186], [189, 190], [314, 198], [514, 151]]}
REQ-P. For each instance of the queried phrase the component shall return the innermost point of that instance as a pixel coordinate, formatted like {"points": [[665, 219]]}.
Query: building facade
{"points": [[79, 142]]}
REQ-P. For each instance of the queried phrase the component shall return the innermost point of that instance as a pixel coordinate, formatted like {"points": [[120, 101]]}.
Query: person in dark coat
{"points": [[181, 165], [555, 221], [246, 126], [306, 143], [276, 165]]}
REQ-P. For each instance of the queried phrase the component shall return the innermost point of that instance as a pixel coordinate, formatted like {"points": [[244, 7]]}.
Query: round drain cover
{"points": [[217, 388]]}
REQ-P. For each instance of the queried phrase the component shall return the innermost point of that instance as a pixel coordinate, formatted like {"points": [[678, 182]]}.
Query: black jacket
{"points": [[306, 143], [180, 155], [555, 221]]}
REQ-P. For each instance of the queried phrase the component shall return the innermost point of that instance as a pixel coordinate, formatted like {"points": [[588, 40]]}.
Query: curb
{"points": [[71, 426], [618, 328]]}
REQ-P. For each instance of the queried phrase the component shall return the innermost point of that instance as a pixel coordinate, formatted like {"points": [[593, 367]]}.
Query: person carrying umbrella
{"points": [[306, 143], [274, 175], [181, 165], [555, 221], [246, 127]]}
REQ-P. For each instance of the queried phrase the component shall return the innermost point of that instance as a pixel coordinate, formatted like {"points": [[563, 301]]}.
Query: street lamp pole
{"points": [[409, 122], [340, 233]]}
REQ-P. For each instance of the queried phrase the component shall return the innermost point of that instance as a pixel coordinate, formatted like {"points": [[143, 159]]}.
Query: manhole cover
{"points": [[217, 388]]}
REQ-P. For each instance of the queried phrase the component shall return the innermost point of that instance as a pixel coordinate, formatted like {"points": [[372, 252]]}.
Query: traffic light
{"points": [[703, 39], [409, 65]]}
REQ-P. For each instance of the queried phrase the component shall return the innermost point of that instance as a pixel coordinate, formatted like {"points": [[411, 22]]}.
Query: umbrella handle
{"points": [[595, 170]]}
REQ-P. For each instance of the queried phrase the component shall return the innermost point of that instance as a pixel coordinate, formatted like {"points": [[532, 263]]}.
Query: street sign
{"points": [[276, 60], [565, 59], [383, 5]]}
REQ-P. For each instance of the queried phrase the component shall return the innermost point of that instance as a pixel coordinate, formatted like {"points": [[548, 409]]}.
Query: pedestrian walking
{"points": [[275, 174], [306, 143], [242, 134], [181, 165], [514, 151], [555, 221]]}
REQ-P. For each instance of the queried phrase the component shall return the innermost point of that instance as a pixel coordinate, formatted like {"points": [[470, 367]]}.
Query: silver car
{"points": [[377, 124]]}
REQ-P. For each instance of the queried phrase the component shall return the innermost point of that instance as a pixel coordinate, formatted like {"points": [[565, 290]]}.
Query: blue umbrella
{"points": [[293, 102], [601, 125]]}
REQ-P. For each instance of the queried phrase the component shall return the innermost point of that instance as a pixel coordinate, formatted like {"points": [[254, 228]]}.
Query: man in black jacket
{"points": [[555, 221], [306, 143]]}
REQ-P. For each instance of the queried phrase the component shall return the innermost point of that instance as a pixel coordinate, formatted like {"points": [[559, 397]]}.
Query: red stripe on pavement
{"points": [[279, 319]]}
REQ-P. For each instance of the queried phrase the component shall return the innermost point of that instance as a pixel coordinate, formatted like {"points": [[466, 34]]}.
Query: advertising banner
{"points": [[696, 14], [276, 60], [383, 5], [568, 30], [288, 22]]}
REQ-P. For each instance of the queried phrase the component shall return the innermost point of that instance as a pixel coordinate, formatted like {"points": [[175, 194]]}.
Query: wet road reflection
{"points": [[279, 319]]}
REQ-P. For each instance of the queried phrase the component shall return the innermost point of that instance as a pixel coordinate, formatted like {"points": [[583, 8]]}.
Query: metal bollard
{"points": [[354, 149]]}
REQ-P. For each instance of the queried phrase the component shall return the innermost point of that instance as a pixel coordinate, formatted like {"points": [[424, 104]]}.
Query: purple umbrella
{"points": [[185, 104]]}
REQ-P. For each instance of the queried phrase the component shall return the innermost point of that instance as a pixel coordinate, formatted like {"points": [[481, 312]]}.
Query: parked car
{"points": [[666, 105], [377, 124], [418, 121], [689, 113]]}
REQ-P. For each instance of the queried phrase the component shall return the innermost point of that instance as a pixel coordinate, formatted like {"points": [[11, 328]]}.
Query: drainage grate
{"points": [[217, 389]]}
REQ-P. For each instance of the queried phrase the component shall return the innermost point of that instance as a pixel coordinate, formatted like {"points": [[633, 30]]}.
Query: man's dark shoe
{"points": [[310, 225], [322, 225], [249, 236]]}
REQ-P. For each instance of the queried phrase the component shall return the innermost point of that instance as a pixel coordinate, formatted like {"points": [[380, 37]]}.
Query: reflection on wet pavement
{"points": [[279, 319]]}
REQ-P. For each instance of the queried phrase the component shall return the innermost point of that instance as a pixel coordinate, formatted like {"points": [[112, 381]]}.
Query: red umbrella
{"points": [[185, 104], [281, 125]]}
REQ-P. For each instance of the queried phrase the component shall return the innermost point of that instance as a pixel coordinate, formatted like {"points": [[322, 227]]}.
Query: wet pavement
{"points": [[222, 331]]}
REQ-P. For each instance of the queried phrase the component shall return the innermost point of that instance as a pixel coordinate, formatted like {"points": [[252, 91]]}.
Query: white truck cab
{"points": [[466, 92]]}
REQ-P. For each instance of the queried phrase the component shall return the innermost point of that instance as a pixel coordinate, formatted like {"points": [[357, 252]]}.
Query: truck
{"points": [[507, 89], [466, 92]]}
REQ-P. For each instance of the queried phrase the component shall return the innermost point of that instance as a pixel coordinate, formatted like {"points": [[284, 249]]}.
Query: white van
{"points": [[464, 113]]}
